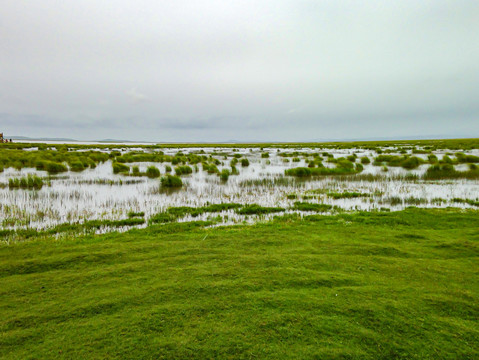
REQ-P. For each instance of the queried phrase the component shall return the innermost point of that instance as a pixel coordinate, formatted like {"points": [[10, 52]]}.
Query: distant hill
{"points": [[113, 141], [13, 137], [26, 138]]}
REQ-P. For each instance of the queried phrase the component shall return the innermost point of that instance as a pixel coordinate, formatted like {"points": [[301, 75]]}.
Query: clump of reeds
{"points": [[224, 175], [432, 159], [346, 195], [132, 214], [77, 166], [244, 162], [51, 166], [119, 168], [255, 209], [210, 168], [183, 170], [463, 158], [171, 181], [174, 213], [407, 162], [270, 182], [152, 172], [343, 167], [411, 162], [27, 182], [135, 171], [466, 201], [447, 171], [305, 206], [365, 160]]}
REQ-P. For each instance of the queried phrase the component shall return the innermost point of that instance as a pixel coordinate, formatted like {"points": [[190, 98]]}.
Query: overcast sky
{"points": [[262, 70]]}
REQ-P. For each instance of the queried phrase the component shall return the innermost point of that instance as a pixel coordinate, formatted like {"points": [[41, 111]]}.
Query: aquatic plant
{"points": [[270, 182], [28, 182], [346, 195], [132, 214], [343, 167], [173, 213], [305, 206], [390, 160], [298, 172], [152, 172], [447, 171], [183, 170], [466, 201], [224, 175], [365, 160], [132, 157], [77, 166], [171, 181], [210, 168], [463, 158], [255, 209], [411, 162], [446, 160], [432, 159], [54, 168], [120, 168], [161, 218]]}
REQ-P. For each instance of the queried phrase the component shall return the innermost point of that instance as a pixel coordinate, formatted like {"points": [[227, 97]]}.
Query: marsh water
{"points": [[99, 194]]}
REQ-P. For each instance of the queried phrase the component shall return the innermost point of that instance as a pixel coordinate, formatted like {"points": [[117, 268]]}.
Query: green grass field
{"points": [[350, 286]]}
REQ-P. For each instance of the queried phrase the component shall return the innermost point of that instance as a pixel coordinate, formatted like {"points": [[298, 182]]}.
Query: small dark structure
{"points": [[4, 140]]}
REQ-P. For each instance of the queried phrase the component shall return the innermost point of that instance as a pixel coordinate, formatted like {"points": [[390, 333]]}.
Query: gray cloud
{"points": [[215, 70], [136, 96]]}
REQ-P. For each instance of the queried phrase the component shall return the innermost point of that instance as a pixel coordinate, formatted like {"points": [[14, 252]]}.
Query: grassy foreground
{"points": [[366, 286]]}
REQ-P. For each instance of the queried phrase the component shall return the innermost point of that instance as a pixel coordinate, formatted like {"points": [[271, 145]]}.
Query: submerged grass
{"points": [[174, 213], [74, 229], [466, 201], [343, 168], [346, 195], [255, 209], [31, 182], [306, 206], [133, 214], [366, 285], [270, 182], [447, 171]]}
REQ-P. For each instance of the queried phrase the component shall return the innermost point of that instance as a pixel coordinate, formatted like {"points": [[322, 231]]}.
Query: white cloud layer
{"points": [[215, 70]]}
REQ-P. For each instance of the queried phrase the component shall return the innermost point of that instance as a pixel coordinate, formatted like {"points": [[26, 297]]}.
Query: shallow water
{"points": [[77, 197]]}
